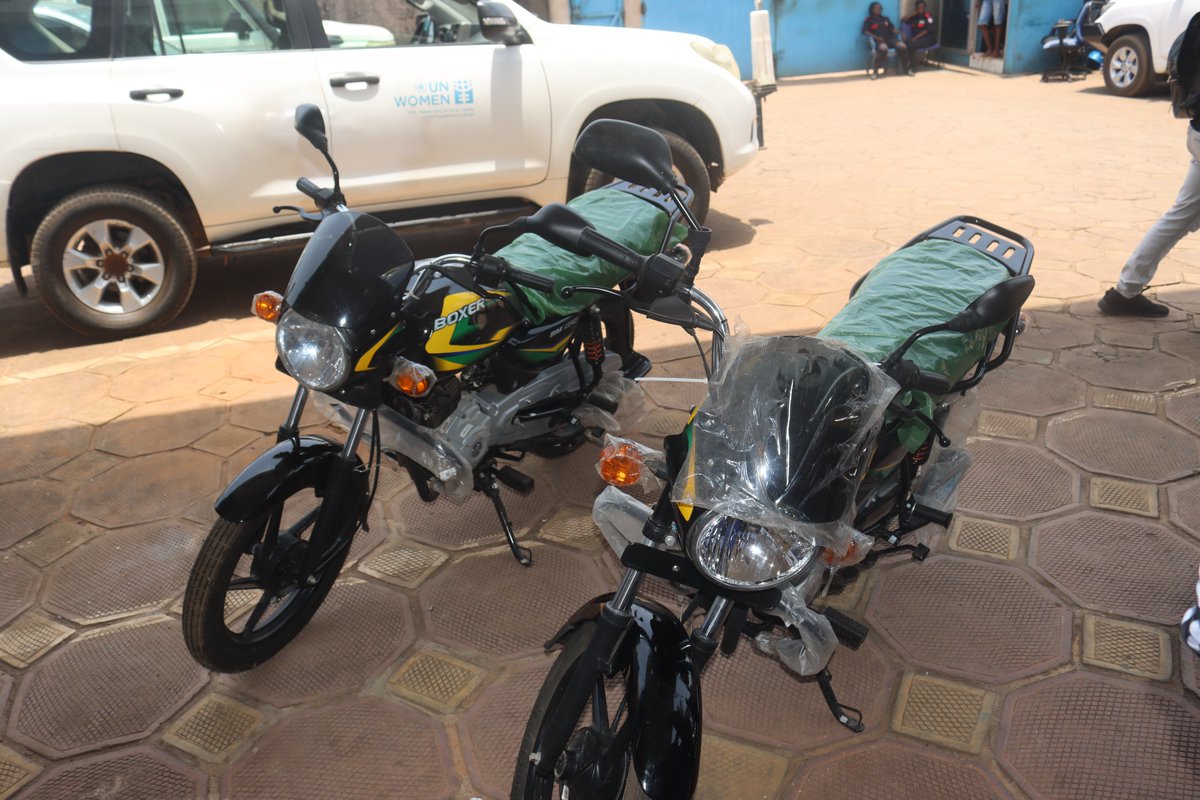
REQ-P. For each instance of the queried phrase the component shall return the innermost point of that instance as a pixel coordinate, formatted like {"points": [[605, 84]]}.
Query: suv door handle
{"points": [[146, 94], [341, 81]]}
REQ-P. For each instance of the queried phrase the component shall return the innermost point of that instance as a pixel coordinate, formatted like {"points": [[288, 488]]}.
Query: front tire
{"points": [[238, 613], [113, 262], [621, 783], [1128, 70], [689, 168]]}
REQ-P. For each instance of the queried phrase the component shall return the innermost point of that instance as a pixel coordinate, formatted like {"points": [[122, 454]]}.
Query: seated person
{"points": [[883, 35], [920, 22]]}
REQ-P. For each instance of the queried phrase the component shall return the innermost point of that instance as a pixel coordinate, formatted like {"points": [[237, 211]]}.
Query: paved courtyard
{"points": [[1033, 655]]}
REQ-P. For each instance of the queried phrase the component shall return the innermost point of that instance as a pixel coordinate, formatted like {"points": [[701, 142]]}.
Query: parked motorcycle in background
{"points": [[808, 456], [446, 367]]}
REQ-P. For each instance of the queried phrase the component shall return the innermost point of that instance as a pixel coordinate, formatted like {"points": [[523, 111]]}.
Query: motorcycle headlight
{"points": [[720, 55], [742, 555], [314, 354]]}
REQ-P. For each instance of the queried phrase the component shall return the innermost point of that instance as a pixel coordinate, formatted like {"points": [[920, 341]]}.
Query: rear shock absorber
{"points": [[593, 344]]}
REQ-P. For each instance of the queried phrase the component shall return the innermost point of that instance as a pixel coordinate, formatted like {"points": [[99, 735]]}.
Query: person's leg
{"points": [[985, 25], [903, 58], [881, 50], [1181, 218]]}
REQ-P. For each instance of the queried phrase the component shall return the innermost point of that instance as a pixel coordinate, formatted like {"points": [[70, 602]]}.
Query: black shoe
{"points": [[1117, 304]]}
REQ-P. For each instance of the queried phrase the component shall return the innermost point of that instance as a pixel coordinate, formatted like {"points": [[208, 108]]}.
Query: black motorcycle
{"points": [[445, 367], [808, 455]]}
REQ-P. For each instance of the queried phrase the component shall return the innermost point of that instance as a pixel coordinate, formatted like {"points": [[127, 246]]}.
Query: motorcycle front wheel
{"points": [[596, 732], [246, 597]]}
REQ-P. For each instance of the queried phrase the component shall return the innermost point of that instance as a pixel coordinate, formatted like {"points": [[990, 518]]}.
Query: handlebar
{"points": [[910, 376], [493, 269], [600, 245], [326, 199]]}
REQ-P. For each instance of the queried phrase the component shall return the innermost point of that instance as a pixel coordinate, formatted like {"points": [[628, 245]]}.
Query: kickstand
{"points": [[491, 487], [919, 552], [825, 681]]}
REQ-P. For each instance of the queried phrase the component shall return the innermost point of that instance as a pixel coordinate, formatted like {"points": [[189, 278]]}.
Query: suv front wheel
{"points": [[113, 261], [1127, 67]]}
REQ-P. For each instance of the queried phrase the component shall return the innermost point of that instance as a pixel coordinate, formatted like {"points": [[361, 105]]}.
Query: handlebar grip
{"points": [[910, 376], [599, 245], [308, 188], [530, 279]]}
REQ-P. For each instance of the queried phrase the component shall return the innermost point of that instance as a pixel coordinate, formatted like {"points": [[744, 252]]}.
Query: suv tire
{"points": [[689, 166], [1128, 70], [113, 261]]}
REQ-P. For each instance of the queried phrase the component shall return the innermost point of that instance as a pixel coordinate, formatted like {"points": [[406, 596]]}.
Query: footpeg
{"points": [[942, 518], [516, 480], [849, 631]]}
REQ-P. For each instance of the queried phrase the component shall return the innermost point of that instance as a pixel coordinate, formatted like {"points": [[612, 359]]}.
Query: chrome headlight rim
{"points": [[707, 526], [331, 368]]}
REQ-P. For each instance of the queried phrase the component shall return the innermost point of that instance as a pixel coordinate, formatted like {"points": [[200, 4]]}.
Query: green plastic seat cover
{"points": [[925, 284], [622, 217]]}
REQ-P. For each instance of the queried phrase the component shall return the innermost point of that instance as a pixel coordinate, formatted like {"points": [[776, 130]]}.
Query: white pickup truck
{"points": [[142, 135], [1136, 36]]}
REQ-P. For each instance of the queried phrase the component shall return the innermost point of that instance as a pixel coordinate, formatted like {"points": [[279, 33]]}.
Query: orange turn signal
{"points": [[412, 379], [851, 556], [621, 464], [267, 305]]}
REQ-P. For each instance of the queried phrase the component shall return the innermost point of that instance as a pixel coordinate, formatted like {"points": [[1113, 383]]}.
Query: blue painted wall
{"points": [[812, 37]]}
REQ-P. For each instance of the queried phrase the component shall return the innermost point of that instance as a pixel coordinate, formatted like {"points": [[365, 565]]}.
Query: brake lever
{"points": [[568, 291], [307, 215]]}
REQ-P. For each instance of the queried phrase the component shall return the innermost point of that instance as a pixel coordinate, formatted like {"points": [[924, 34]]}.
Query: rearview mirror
{"points": [[627, 151], [557, 224], [498, 25], [311, 125], [994, 306]]}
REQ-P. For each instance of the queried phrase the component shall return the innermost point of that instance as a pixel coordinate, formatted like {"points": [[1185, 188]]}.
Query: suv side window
{"points": [[352, 24], [53, 30], [177, 27]]}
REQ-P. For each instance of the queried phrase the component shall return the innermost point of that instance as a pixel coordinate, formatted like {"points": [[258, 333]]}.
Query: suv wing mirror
{"points": [[629, 152], [497, 24]]}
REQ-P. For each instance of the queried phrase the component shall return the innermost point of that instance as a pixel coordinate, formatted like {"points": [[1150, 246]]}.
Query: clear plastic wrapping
{"points": [[637, 462], [809, 650], [619, 517], [783, 438], [613, 389]]}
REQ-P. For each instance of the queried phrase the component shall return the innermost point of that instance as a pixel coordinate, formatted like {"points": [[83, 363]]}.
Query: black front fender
{"points": [[278, 473], [663, 693]]}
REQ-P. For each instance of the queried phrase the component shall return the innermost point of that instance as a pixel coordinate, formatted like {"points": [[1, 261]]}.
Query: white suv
{"points": [[1136, 36], [141, 134]]}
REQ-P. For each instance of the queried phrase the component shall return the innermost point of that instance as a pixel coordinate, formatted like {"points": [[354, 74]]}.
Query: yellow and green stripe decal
{"points": [[364, 363]]}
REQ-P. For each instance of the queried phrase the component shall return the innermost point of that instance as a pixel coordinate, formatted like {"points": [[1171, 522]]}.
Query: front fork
{"points": [[337, 493]]}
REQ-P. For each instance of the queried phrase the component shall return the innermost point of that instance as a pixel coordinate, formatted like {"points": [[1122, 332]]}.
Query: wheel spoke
{"points": [[130, 299], [138, 239], [151, 272], [599, 707], [302, 524], [256, 615], [75, 260], [249, 582], [98, 232], [91, 293]]}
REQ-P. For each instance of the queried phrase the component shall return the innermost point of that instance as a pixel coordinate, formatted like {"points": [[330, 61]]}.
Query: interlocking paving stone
{"points": [[380, 749], [1031, 355], [1086, 737], [1124, 445], [5, 685], [29, 506], [443, 523], [164, 425], [436, 680], [1126, 647], [153, 561], [1132, 498], [15, 771], [404, 565], [229, 389], [103, 688], [751, 695], [37, 449], [1032, 389], [664, 422], [462, 604], [57, 398], [1190, 670], [88, 465], [1119, 338], [888, 770], [140, 774], [1118, 565], [163, 378], [1124, 401], [971, 619], [265, 408], [29, 638], [55, 541], [213, 728], [1185, 344], [730, 769], [359, 629], [1183, 502], [1007, 426], [226, 441], [102, 411], [572, 526], [1127, 368], [1184, 409], [944, 712], [147, 488], [18, 587], [492, 728], [1015, 481], [984, 537]]}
